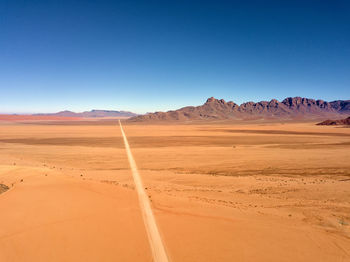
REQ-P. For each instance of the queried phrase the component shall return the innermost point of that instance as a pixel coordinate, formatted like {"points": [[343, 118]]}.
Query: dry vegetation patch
{"points": [[3, 188]]}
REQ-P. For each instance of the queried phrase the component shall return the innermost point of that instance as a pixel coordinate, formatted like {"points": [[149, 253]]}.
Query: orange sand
{"points": [[247, 192]]}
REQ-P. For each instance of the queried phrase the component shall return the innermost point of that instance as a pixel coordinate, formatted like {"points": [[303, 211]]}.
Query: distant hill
{"points": [[345, 121], [289, 108], [91, 114]]}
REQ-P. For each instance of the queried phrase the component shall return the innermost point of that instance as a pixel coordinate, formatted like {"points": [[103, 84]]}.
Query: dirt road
{"points": [[155, 240]]}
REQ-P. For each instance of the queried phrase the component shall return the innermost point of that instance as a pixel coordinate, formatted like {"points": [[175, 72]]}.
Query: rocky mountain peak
{"points": [[211, 100]]}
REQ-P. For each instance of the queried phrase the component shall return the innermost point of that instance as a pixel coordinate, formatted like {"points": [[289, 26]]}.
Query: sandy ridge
{"points": [[155, 240]]}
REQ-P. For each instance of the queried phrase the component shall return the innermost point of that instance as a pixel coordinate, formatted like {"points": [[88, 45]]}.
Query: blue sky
{"points": [[158, 55]]}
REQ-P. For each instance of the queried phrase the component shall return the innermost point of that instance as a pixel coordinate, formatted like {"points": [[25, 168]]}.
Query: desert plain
{"points": [[248, 191]]}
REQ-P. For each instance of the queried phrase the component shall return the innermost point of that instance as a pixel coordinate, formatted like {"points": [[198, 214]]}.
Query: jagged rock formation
{"points": [[289, 108], [345, 121]]}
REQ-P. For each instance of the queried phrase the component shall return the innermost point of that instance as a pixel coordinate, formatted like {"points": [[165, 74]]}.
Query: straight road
{"points": [[155, 240]]}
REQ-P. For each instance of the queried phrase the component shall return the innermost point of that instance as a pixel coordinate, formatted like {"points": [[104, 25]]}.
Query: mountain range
{"points": [[219, 109], [91, 114]]}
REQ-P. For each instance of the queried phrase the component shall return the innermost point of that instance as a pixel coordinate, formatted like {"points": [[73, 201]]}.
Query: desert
{"points": [[219, 191], [175, 131]]}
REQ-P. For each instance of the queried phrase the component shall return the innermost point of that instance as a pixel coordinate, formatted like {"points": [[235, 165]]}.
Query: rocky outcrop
{"points": [[345, 122]]}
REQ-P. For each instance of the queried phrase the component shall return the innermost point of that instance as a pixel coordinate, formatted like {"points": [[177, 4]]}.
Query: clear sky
{"points": [[158, 55]]}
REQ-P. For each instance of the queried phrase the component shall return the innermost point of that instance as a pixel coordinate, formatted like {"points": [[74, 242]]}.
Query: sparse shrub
{"points": [[343, 222]]}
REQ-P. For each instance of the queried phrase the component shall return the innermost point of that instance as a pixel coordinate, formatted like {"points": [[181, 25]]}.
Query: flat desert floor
{"points": [[220, 192]]}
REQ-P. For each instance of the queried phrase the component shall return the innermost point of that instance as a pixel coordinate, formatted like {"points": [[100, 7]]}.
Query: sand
{"points": [[31, 118], [219, 192]]}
